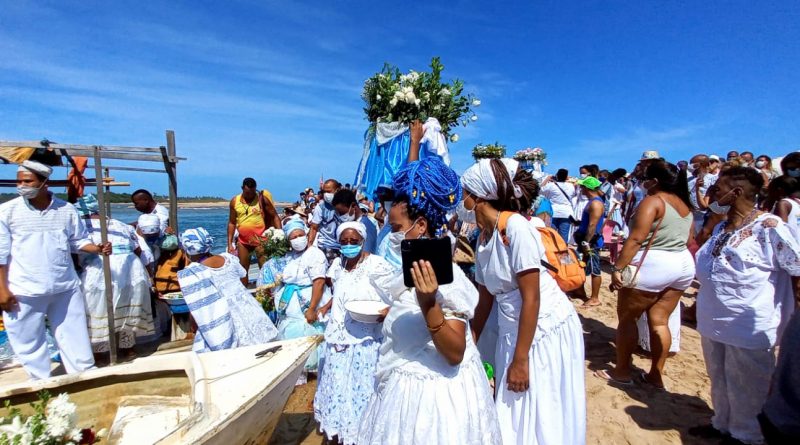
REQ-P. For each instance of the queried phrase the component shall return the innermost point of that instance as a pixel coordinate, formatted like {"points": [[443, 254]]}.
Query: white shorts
{"points": [[665, 269]]}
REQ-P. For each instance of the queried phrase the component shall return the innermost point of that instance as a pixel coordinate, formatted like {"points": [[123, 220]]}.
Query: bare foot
{"points": [[592, 302]]}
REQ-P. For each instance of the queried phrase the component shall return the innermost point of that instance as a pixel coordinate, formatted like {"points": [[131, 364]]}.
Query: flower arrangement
{"points": [[274, 243], [531, 154], [490, 151], [53, 423], [393, 97]]}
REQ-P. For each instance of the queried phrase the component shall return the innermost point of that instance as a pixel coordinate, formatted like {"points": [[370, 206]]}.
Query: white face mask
{"points": [[761, 164], [300, 243], [584, 175], [28, 192], [347, 217], [328, 197], [464, 214], [718, 208]]}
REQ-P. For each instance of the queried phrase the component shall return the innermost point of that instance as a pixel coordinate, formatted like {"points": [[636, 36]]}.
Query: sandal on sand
{"points": [[603, 374], [643, 378]]}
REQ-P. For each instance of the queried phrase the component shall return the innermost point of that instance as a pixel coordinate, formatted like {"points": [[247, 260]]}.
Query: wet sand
{"points": [[615, 414]]}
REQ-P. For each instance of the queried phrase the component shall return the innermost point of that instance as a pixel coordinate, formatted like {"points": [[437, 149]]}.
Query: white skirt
{"points": [[553, 410], [133, 313], [345, 385], [410, 409]]}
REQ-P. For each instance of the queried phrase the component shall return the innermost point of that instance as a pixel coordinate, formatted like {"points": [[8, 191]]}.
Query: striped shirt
{"points": [[36, 246]]}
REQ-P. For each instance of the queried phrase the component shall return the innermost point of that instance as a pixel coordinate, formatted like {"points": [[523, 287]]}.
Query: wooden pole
{"points": [[170, 167], [112, 337]]}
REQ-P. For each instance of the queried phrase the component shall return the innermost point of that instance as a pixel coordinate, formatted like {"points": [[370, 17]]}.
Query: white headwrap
{"points": [[36, 168], [479, 179], [355, 225], [149, 224]]}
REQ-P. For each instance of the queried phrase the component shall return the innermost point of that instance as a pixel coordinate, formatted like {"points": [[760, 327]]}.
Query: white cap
{"points": [[36, 168]]}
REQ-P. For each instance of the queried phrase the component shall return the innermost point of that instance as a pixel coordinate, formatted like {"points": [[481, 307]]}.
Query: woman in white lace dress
{"points": [[227, 316], [539, 355], [431, 387], [347, 379], [133, 314]]}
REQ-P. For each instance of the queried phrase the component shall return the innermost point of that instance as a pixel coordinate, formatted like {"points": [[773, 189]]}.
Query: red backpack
{"points": [[562, 262]]}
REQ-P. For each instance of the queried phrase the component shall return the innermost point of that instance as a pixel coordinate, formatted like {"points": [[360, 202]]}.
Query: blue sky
{"points": [[270, 89]]}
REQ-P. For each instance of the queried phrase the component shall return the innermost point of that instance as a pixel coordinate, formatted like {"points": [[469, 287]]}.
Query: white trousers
{"points": [[66, 314], [739, 385]]}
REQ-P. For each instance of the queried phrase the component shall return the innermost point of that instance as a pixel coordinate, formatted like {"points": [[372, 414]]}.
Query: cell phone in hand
{"points": [[438, 252]]}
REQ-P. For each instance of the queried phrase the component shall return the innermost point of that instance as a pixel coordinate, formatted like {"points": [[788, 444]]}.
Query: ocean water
{"points": [[213, 219]]}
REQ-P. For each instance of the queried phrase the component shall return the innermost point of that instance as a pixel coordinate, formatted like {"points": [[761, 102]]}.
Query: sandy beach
{"points": [[615, 414]]}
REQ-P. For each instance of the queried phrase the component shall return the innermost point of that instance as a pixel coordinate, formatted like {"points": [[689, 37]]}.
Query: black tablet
{"points": [[439, 252]]}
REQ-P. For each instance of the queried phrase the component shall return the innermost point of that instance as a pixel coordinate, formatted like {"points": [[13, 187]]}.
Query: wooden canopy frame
{"points": [[163, 155]]}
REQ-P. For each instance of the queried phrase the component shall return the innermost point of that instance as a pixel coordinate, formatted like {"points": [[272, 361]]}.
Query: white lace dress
{"points": [[419, 397], [347, 377], [133, 314], [227, 316]]}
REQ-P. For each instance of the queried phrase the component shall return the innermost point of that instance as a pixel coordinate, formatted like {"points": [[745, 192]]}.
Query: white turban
{"points": [[149, 224], [479, 179], [355, 225], [36, 168]]}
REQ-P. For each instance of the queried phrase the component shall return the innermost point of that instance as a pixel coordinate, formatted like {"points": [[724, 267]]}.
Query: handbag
{"points": [[630, 273]]}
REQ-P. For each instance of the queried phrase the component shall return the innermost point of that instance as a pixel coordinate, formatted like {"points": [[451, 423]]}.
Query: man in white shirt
{"points": [[143, 202], [561, 194], [37, 278], [699, 183]]}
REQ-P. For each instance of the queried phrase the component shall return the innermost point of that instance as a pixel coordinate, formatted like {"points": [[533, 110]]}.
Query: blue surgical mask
{"points": [[351, 251], [794, 172]]}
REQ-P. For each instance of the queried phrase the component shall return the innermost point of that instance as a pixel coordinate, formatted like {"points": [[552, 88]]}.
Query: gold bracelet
{"points": [[437, 328]]}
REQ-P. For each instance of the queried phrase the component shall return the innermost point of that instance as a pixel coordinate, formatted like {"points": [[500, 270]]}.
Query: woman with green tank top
{"points": [[657, 246]]}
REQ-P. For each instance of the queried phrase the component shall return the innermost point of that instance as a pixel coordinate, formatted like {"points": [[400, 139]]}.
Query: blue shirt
{"points": [[585, 224], [325, 217], [371, 241]]}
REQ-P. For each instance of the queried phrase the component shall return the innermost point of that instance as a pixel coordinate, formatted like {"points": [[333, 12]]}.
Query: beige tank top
{"points": [[673, 233]]}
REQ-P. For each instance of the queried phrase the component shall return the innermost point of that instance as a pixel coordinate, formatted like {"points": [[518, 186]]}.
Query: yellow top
{"points": [[249, 219]]}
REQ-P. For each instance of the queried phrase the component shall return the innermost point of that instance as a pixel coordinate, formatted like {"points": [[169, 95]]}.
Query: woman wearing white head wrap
{"points": [[227, 316], [347, 380], [131, 290], [300, 276], [539, 358]]}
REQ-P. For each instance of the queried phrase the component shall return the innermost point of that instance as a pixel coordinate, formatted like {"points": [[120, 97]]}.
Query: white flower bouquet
{"points": [[54, 422], [532, 155], [490, 151], [390, 96], [274, 243]]}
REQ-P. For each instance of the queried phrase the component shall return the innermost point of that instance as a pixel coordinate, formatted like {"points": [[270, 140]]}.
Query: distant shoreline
{"points": [[204, 205]]}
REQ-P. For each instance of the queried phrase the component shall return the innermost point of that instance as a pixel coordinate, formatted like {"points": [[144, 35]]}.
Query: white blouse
{"points": [[745, 283], [407, 346], [304, 267], [357, 284]]}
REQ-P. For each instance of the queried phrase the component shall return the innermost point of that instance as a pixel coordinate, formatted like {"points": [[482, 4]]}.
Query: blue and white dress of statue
{"points": [[386, 147]]}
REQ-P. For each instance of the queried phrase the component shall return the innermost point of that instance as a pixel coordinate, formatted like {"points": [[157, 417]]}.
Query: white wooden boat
{"points": [[225, 397]]}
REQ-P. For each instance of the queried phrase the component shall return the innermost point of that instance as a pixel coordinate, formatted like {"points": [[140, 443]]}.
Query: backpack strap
{"points": [[502, 224]]}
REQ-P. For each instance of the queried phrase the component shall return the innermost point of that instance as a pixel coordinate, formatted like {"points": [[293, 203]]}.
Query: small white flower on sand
{"points": [[102, 433], [454, 138], [473, 118], [476, 103], [445, 92]]}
